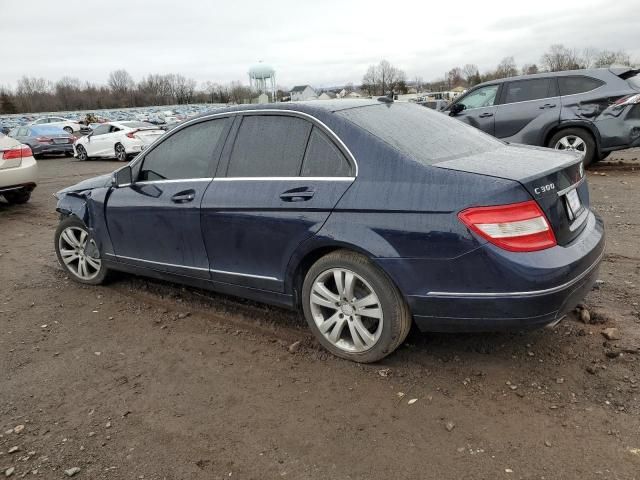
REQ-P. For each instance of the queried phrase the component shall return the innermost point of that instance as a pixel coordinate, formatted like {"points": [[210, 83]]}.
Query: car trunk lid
{"points": [[555, 180]]}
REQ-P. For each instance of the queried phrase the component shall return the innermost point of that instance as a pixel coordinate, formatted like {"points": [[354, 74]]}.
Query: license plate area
{"points": [[573, 204]]}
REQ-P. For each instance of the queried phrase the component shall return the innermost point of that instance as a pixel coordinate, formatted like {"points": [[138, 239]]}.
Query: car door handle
{"points": [[486, 115], [185, 196], [297, 195], [548, 105]]}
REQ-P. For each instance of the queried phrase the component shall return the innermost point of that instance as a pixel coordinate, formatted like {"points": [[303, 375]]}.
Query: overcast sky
{"points": [[321, 43]]}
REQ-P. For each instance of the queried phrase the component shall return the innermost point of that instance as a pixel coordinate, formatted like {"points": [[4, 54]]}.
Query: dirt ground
{"points": [[142, 379]]}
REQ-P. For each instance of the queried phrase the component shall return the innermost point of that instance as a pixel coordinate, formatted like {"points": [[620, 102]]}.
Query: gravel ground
{"points": [[142, 379]]}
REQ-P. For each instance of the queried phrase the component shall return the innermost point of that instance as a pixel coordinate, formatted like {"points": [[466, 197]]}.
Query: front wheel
{"points": [[78, 252], [575, 140], [353, 308]]}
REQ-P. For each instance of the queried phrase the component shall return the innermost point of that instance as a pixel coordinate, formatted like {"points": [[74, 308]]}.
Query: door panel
{"points": [[157, 225], [482, 118], [251, 227]]}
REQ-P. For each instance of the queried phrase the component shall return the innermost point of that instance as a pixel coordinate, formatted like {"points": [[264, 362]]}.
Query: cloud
{"points": [[325, 43]]}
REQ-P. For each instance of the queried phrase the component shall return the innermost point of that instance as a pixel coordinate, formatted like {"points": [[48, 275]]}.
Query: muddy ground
{"points": [[142, 379]]}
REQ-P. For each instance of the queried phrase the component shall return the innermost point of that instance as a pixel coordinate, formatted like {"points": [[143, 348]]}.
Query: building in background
{"points": [[303, 92]]}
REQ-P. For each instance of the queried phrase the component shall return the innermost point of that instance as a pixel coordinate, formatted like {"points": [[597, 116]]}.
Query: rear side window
{"points": [[323, 158], [524, 90], [420, 133], [269, 146], [577, 84], [186, 154]]}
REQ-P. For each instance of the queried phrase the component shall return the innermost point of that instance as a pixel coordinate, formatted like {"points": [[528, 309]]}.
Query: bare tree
{"points": [[529, 69], [370, 80], [382, 78], [120, 82], [471, 74], [559, 58], [606, 58], [455, 77], [507, 68]]}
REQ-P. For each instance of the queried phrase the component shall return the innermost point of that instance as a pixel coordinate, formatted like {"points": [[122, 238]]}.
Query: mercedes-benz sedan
{"points": [[366, 215]]}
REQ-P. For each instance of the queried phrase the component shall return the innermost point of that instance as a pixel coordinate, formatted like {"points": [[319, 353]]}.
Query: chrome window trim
{"points": [[520, 294], [296, 179], [213, 116], [174, 180]]}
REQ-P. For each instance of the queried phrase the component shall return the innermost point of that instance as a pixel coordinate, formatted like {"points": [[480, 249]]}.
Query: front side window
{"points": [[525, 90], [577, 84], [482, 97], [269, 146], [188, 153], [323, 158], [101, 130]]}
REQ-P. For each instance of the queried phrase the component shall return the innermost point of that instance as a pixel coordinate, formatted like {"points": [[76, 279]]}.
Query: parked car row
{"points": [[593, 112]]}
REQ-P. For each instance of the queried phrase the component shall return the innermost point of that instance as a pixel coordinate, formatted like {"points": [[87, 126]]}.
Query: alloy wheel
{"points": [[121, 153], [571, 143], [82, 153], [346, 310], [79, 253]]}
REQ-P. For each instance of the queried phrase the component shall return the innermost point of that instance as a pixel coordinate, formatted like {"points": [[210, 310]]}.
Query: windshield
{"points": [[421, 133], [48, 130]]}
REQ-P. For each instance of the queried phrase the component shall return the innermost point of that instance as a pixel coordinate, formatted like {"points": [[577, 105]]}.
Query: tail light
{"points": [[628, 100], [517, 227], [44, 140], [17, 152], [132, 134]]}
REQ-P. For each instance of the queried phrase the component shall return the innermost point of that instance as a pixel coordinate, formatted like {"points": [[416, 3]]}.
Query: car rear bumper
{"points": [[491, 289], [52, 149], [19, 178]]}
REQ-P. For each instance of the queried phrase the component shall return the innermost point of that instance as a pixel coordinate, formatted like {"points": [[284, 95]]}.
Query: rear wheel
{"points": [[17, 197], [78, 252], [121, 153], [81, 153], [68, 129], [575, 140], [353, 308]]}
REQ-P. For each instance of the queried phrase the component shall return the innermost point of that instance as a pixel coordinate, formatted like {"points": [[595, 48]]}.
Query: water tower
{"points": [[262, 77]]}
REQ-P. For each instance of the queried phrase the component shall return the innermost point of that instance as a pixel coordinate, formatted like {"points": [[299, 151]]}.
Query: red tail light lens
{"points": [[44, 140], [132, 134], [17, 152], [517, 227], [628, 100]]}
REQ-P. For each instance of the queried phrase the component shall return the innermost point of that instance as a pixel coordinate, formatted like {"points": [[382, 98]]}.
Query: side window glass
{"points": [[483, 97], [101, 130], [269, 146], [524, 90], [577, 84], [187, 153], [323, 158]]}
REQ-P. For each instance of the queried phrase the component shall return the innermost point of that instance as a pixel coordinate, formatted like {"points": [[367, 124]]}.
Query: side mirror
{"points": [[122, 177], [456, 108]]}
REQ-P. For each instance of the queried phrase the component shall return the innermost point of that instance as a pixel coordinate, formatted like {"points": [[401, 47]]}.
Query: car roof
{"points": [[310, 107], [601, 73]]}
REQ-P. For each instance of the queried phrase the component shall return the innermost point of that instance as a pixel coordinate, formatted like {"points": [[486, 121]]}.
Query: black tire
{"points": [[68, 130], [81, 153], [397, 318], [586, 137], [17, 198], [102, 273], [602, 156], [121, 153]]}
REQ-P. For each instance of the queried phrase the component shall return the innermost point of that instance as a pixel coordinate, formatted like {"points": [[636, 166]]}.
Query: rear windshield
{"points": [[634, 81], [421, 133], [48, 130]]}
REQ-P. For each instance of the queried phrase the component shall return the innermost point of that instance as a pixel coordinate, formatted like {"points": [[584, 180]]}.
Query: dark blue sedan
{"points": [[366, 215]]}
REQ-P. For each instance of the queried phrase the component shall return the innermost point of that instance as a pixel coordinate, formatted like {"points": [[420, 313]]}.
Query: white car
{"points": [[119, 140], [67, 125], [18, 170]]}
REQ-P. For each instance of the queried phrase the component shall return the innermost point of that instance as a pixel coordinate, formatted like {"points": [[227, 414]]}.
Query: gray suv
{"points": [[591, 111]]}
